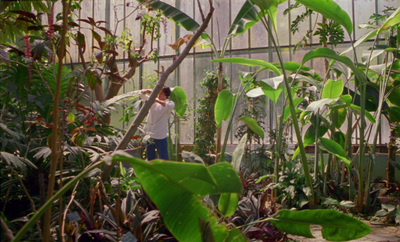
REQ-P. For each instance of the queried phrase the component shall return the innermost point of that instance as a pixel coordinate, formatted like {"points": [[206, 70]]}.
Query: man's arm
{"points": [[143, 94]]}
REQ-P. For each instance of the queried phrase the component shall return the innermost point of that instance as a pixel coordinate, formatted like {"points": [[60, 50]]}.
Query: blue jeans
{"points": [[162, 149]]}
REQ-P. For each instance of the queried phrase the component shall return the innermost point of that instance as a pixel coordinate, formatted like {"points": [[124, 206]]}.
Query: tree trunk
{"points": [[55, 138], [116, 82], [160, 84]]}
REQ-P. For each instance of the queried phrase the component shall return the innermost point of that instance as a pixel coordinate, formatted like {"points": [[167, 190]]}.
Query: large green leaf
{"points": [[330, 10], [329, 53], [167, 182], [227, 203], [332, 89], [296, 102], [270, 7], [256, 92], [336, 226], [247, 80], [223, 106], [394, 114], [245, 19], [318, 105], [238, 153], [339, 116], [49, 74], [272, 87], [16, 161], [309, 136], [178, 96], [250, 62], [335, 149], [393, 19], [308, 79], [394, 96], [253, 125], [172, 13], [123, 97], [294, 67], [368, 115]]}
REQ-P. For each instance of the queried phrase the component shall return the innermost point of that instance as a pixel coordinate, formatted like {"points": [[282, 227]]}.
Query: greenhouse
{"points": [[199, 120]]}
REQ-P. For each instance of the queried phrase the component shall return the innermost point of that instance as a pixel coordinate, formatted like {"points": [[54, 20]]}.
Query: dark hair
{"points": [[167, 91]]}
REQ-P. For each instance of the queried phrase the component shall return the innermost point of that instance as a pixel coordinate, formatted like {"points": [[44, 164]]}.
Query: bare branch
{"points": [[163, 78], [201, 10], [145, 109]]}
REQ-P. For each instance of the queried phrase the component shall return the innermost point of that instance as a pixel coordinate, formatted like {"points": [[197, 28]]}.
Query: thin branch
{"points": [[145, 109], [55, 144], [62, 225], [201, 11], [160, 84]]}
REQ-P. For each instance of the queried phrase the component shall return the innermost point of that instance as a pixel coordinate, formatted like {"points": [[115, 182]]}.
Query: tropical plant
{"points": [[255, 154], [165, 182], [357, 99], [205, 127]]}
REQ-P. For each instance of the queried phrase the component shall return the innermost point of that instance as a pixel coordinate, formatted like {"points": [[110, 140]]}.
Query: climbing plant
{"points": [[205, 127]]}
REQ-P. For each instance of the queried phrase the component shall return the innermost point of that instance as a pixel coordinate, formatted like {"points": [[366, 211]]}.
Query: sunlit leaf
{"points": [[332, 89], [272, 87], [329, 53], [223, 106], [245, 19], [393, 19], [227, 203], [71, 117], [238, 153], [253, 125], [183, 40], [330, 10], [318, 105], [338, 117], [368, 115], [335, 149], [270, 7], [250, 62], [123, 97], [178, 96], [176, 15], [256, 92]]}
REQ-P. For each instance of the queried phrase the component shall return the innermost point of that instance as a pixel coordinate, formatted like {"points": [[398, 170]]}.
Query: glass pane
{"points": [[363, 10]]}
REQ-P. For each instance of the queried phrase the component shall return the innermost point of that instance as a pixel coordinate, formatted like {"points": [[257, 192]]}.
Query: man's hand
{"points": [[146, 91], [162, 102]]}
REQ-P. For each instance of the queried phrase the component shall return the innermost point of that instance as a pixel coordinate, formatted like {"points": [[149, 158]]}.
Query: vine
{"points": [[205, 127]]}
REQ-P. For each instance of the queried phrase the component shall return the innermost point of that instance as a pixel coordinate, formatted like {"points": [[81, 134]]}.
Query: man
{"points": [[157, 123]]}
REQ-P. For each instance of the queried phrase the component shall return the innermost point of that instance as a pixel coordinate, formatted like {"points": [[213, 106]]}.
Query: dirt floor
{"points": [[380, 233]]}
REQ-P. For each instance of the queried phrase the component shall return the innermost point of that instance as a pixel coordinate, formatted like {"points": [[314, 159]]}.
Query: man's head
{"points": [[165, 93]]}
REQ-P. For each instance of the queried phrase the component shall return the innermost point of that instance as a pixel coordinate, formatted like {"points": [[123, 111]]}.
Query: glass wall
{"points": [[121, 15]]}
